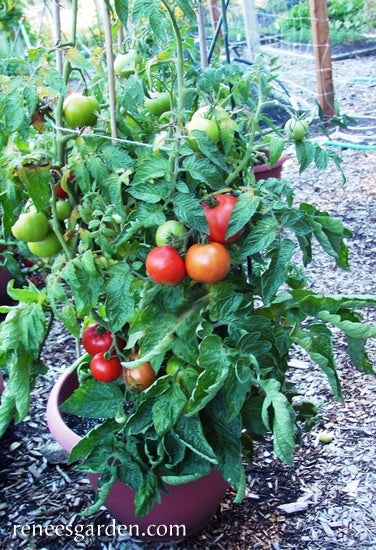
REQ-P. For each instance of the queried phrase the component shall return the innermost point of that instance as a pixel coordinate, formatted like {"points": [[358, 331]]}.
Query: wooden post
{"points": [[323, 55]]}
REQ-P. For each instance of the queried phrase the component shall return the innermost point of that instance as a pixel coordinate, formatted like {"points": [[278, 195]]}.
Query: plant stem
{"points": [[250, 148]]}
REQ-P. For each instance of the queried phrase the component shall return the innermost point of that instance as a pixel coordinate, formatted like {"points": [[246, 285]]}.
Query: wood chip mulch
{"points": [[327, 499]]}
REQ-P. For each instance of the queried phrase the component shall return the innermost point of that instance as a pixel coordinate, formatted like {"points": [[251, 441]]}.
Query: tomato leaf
{"points": [[190, 432], [260, 237], [278, 416], [95, 399], [213, 359], [85, 280], [167, 409], [275, 275], [317, 341], [242, 213], [188, 209], [119, 300], [224, 436]]}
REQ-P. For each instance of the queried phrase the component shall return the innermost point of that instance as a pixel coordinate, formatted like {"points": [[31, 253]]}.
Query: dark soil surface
{"points": [[327, 499]]}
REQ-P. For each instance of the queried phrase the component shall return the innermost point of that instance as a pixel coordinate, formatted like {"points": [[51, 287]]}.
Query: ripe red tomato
{"points": [[218, 217], [105, 370], [207, 263], [96, 339], [140, 378], [80, 110], [60, 193], [165, 266]]}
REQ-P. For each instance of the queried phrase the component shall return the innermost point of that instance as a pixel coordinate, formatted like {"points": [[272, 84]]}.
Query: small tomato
{"points": [[165, 266], [105, 370], [207, 263], [168, 231], [218, 216], [80, 110]]}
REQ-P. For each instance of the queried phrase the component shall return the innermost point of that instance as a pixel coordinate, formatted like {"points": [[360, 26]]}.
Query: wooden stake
{"points": [[323, 55]]}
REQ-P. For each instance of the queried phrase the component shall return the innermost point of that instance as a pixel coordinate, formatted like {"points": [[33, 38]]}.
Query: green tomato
{"points": [[125, 63], [296, 129], [31, 226], [63, 210], [296, 278], [80, 110], [45, 248], [158, 103], [207, 125], [174, 364], [168, 230]]}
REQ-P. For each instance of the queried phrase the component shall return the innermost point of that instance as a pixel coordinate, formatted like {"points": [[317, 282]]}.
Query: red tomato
{"points": [[96, 339], [207, 263], [140, 378], [218, 217], [105, 370], [165, 266], [60, 193]]}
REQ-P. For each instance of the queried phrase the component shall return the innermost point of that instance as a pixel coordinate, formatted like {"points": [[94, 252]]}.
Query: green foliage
{"points": [[347, 20], [234, 336]]}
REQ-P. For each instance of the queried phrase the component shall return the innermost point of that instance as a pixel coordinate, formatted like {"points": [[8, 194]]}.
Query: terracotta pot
{"points": [[263, 171], [191, 505]]}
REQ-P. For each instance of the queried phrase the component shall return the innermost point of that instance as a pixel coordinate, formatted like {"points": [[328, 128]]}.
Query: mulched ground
{"points": [[327, 499]]}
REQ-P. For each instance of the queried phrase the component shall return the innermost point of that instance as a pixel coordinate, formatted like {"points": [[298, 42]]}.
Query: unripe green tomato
{"points": [[158, 103], [173, 365], [168, 230], [207, 125], [125, 63], [30, 227], [63, 210], [296, 129], [47, 247], [80, 110]]}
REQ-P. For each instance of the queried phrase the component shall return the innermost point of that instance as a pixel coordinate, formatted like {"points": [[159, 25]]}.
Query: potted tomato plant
{"points": [[170, 263]]}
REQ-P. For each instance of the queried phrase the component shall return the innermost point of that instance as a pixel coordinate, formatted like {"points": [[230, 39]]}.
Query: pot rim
{"points": [[62, 434]]}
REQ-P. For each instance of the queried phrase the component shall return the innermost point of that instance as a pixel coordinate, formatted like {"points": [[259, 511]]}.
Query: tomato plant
{"points": [[168, 231], [165, 266], [207, 263], [296, 129], [105, 369], [218, 210], [31, 226], [80, 110], [139, 378]]}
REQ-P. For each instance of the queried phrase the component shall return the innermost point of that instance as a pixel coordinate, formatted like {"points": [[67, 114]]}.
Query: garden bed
{"points": [[330, 489]]}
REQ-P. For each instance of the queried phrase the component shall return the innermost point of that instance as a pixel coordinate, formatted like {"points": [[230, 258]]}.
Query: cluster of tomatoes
{"points": [[105, 364], [204, 263]]}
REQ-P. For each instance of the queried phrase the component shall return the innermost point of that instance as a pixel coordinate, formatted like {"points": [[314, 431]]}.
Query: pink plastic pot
{"points": [[190, 505], [263, 171]]}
